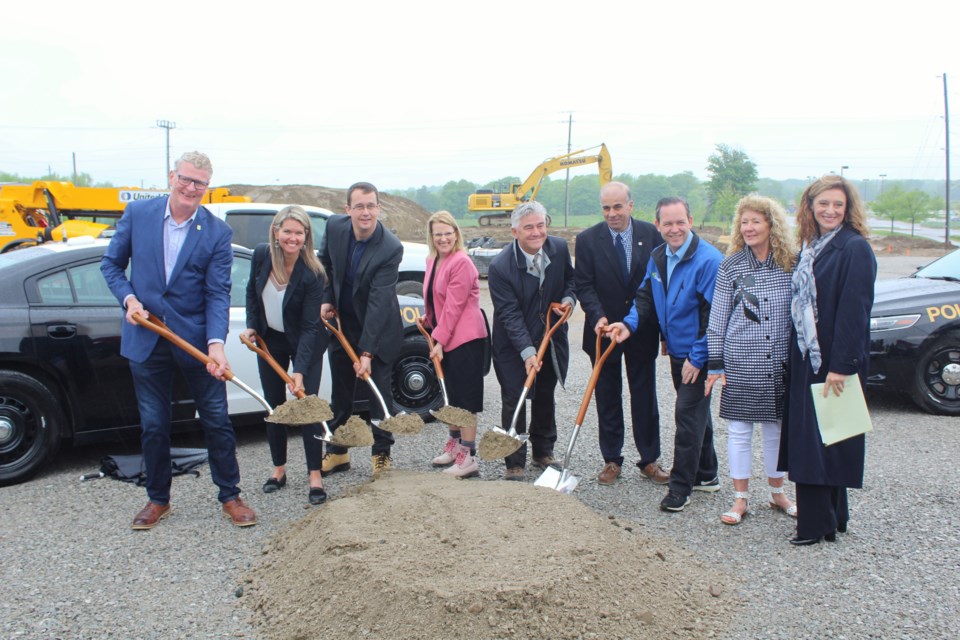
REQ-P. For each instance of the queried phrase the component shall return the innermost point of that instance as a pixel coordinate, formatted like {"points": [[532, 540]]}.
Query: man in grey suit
{"points": [[362, 260]]}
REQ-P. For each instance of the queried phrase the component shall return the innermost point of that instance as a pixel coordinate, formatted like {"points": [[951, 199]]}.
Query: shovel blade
{"points": [[558, 480]]}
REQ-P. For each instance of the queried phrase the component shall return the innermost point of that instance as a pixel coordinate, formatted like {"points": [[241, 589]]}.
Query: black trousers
{"points": [[820, 508], [694, 459], [346, 387], [644, 413], [275, 393], [543, 420]]}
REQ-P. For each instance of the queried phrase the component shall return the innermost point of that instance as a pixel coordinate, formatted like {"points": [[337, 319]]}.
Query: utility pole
{"points": [[946, 124], [74, 167], [566, 186], [166, 124], [882, 176]]}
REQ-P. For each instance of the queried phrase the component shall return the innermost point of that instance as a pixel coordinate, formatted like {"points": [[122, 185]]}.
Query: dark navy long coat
{"points": [[845, 272]]}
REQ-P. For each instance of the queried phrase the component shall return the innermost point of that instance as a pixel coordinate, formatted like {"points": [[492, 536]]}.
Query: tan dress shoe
{"points": [[544, 461], [609, 474], [150, 515], [240, 514], [655, 472]]}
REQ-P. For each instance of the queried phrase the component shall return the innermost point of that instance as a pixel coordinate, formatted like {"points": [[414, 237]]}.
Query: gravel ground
{"points": [[72, 568]]}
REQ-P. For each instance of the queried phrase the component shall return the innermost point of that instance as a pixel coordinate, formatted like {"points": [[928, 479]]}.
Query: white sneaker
{"points": [[465, 466], [449, 455]]}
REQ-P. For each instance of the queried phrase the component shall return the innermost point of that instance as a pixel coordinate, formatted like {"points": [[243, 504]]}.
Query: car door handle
{"points": [[61, 331]]}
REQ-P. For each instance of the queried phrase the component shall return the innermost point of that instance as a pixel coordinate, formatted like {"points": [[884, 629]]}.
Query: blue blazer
{"points": [[195, 304]]}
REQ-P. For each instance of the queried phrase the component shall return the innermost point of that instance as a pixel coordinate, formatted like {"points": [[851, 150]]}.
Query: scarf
{"points": [[803, 305]]}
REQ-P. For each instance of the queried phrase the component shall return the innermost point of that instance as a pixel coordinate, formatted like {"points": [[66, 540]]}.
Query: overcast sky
{"points": [[416, 93]]}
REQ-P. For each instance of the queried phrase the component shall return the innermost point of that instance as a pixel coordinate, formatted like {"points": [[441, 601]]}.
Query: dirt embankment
{"points": [[405, 218]]}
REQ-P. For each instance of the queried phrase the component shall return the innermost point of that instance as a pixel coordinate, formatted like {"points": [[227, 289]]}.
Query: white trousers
{"points": [[740, 448]]}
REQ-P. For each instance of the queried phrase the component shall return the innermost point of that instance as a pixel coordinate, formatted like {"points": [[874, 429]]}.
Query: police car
{"points": [[915, 336]]}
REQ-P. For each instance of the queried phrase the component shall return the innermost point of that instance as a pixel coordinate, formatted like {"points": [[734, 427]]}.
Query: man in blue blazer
{"points": [[612, 259], [180, 258]]}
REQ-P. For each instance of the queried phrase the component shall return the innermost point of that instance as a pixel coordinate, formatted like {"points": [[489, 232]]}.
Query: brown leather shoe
{"points": [[240, 514], [514, 473], [609, 474], [544, 460], [655, 472], [150, 515]]}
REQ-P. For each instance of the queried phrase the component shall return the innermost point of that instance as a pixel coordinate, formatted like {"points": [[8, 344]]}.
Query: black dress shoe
{"points": [[803, 542], [842, 527], [317, 495], [272, 484], [830, 537]]}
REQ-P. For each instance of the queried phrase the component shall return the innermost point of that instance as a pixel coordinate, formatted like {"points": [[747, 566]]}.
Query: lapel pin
{"points": [[198, 227]]}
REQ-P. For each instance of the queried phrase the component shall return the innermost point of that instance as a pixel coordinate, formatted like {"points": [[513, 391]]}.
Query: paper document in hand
{"points": [[841, 417]]}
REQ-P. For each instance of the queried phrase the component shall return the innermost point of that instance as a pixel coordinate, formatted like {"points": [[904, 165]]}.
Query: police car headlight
{"points": [[889, 323]]}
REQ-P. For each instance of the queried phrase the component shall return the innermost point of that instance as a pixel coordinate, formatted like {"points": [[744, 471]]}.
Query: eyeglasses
{"points": [[616, 208], [371, 207], [184, 181], [445, 234]]}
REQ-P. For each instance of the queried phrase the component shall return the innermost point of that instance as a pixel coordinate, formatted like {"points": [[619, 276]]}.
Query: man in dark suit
{"points": [[362, 260], [612, 260], [180, 257], [524, 279]]}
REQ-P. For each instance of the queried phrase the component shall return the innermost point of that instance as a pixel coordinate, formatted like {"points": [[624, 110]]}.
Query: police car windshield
{"points": [[945, 268]]}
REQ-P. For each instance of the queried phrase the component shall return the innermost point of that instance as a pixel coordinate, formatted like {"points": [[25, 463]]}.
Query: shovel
{"points": [[154, 323], [303, 410], [403, 423], [450, 415], [497, 443], [561, 479]]}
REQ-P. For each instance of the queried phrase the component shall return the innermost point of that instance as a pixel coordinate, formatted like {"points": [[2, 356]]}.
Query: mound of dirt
{"points": [[425, 556], [404, 217]]}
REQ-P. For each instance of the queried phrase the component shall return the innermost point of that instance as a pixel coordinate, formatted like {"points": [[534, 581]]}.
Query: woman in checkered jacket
{"points": [[748, 336]]}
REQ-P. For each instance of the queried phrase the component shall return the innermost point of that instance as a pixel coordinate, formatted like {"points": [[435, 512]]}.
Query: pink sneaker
{"points": [[449, 455], [465, 466]]}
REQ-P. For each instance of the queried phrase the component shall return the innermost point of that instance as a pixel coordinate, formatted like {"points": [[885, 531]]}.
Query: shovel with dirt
{"points": [[153, 323], [497, 443], [401, 424], [447, 414], [301, 410], [560, 479]]}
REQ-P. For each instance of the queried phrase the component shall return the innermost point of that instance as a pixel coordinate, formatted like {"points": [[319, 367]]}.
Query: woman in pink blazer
{"points": [[451, 294]]}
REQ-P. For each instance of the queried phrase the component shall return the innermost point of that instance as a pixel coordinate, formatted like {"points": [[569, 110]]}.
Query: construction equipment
{"points": [[497, 206], [46, 210]]}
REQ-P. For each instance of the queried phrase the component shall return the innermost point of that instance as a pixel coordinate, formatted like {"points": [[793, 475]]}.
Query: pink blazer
{"points": [[456, 301]]}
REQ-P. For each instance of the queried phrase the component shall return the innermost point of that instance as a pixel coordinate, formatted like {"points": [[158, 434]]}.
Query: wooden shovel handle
{"points": [[430, 344], [594, 375], [258, 346], [551, 329], [335, 330], [153, 323]]}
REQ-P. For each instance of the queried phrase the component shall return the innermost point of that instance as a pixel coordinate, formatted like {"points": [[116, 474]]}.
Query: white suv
{"points": [[250, 222]]}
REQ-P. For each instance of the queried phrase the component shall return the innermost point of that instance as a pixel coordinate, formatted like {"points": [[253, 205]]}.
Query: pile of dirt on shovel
{"points": [[425, 556]]}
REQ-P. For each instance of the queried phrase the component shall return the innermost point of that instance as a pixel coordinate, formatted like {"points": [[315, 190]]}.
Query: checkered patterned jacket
{"points": [[749, 335]]}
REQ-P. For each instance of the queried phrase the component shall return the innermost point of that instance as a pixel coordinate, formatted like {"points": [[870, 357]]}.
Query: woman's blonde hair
{"points": [[307, 252], [854, 216], [444, 217], [781, 243]]}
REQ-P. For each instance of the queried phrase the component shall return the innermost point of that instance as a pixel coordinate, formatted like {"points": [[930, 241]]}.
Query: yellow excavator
{"points": [[45, 210], [496, 207]]}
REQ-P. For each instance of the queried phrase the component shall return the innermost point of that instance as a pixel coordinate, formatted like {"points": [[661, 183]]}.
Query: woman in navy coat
{"points": [[283, 307], [832, 297]]}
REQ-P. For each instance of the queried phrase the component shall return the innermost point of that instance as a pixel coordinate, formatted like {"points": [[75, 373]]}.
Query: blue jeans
{"points": [[153, 381]]}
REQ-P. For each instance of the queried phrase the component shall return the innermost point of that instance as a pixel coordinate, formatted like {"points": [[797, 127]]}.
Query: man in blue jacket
{"points": [[678, 290], [180, 258]]}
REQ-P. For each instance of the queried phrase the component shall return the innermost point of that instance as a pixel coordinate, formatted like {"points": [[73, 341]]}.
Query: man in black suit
{"points": [[362, 261], [611, 262]]}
